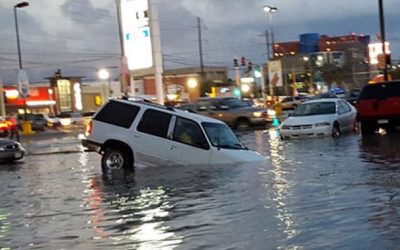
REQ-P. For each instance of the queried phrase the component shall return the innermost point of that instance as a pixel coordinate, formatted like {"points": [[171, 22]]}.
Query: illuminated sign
{"points": [[136, 33], [376, 51], [11, 94], [78, 97], [275, 73]]}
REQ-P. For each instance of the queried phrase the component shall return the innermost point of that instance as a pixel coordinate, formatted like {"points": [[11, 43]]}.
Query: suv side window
{"points": [[155, 123], [117, 113], [189, 132]]}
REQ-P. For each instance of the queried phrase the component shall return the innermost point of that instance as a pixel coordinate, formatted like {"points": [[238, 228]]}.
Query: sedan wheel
{"points": [[335, 131]]}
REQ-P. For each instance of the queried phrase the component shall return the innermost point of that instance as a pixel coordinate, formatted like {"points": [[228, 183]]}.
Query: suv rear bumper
{"points": [[91, 145]]}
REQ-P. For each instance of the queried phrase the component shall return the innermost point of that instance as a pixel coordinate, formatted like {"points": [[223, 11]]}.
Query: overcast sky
{"points": [[80, 36]]}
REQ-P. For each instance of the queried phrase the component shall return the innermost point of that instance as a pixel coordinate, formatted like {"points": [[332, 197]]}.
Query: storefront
{"points": [[39, 100]]}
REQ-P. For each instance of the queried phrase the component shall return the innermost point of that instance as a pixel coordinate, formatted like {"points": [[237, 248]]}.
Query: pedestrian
{"points": [[13, 127]]}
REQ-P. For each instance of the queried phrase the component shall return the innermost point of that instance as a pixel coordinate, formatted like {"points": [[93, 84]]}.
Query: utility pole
{"points": [[201, 58], [123, 61], [267, 44], [383, 40]]}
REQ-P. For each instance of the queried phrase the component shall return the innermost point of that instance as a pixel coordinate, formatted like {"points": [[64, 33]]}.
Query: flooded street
{"points": [[307, 194]]}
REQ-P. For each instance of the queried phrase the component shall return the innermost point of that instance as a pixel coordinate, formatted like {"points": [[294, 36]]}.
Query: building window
{"points": [[64, 95]]}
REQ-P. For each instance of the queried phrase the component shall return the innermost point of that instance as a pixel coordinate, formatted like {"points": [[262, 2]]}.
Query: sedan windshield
{"points": [[221, 136], [315, 108]]}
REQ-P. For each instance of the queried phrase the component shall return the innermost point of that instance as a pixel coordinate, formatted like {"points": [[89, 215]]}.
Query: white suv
{"points": [[136, 132]]}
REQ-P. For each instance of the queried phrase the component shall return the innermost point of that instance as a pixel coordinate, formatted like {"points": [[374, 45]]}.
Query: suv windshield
{"points": [[315, 108], [221, 136]]}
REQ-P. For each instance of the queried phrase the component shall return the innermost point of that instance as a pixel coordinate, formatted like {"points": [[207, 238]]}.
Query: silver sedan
{"points": [[323, 117]]}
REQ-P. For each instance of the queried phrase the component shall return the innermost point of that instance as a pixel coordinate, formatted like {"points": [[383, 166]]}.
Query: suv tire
{"points": [[116, 158], [367, 128]]}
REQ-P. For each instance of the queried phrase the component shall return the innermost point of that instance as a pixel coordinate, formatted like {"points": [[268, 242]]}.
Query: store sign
{"points": [[136, 33], [23, 83], [275, 73], [376, 56]]}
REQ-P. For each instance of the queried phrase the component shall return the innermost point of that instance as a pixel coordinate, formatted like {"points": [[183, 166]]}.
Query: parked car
{"points": [[70, 118], [352, 96], [4, 127], [38, 122], [131, 132], [324, 117], [291, 102], [239, 114], [52, 120], [10, 150], [379, 106]]}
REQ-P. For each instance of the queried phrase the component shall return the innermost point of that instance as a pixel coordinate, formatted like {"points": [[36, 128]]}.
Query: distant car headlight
{"points": [[2, 149], [271, 112], [322, 124], [257, 114]]}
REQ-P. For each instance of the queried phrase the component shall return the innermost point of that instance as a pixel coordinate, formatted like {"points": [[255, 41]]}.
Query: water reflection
{"points": [[382, 156], [280, 183], [128, 215]]}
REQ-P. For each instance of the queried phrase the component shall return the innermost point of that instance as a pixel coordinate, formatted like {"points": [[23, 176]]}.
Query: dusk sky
{"points": [[80, 36]]}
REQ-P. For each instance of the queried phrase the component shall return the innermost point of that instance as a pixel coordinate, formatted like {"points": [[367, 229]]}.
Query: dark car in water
{"points": [[10, 150], [38, 121]]}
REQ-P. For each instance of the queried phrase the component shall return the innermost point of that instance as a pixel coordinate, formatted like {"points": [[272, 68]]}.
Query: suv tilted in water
{"points": [[379, 106], [129, 132]]}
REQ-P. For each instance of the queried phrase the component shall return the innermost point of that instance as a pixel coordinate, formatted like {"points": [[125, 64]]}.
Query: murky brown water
{"points": [[308, 194]]}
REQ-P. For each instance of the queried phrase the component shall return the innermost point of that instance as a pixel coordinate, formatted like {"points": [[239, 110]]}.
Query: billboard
{"points": [[275, 73], [135, 24], [376, 56]]}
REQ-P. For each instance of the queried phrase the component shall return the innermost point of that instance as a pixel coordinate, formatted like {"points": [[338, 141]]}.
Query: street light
{"points": [[270, 10], [19, 5]]}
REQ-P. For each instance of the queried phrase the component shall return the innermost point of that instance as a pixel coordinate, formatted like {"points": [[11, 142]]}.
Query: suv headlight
{"points": [[322, 124], [257, 114]]}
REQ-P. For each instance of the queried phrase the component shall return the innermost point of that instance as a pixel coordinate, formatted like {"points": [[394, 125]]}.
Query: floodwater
{"points": [[308, 194]]}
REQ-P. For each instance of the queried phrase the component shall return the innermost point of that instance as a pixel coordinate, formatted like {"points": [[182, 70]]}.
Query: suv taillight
{"points": [[88, 128]]}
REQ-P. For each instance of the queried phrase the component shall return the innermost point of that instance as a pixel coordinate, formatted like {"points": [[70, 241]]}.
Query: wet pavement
{"points": [[319, 193]]}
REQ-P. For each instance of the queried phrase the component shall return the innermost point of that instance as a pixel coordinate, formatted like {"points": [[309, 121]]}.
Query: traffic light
{"points": [[250, 66], [243, 61], [235, 62]]}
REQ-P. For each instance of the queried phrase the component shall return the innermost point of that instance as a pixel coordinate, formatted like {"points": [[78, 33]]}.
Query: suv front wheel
{"points": [[115, 158]]}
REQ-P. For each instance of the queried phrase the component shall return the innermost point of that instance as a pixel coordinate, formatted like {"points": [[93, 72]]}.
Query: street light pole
{"points": [[270, 10], [20, 5], [383, 39]]}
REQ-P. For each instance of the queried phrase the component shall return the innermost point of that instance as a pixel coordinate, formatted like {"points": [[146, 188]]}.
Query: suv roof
{"points": [[380, 90], [171, 110]]}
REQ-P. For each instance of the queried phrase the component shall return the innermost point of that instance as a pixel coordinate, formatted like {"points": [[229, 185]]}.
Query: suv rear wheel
{"points": [[116, 158], [367, 128]]}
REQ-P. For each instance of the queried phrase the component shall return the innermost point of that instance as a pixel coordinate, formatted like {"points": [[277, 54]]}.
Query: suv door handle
{"points": [[173, 147], [136, 136]]}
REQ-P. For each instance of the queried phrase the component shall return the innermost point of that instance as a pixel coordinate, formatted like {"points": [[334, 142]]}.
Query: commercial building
{"points": [[320, 62]]}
